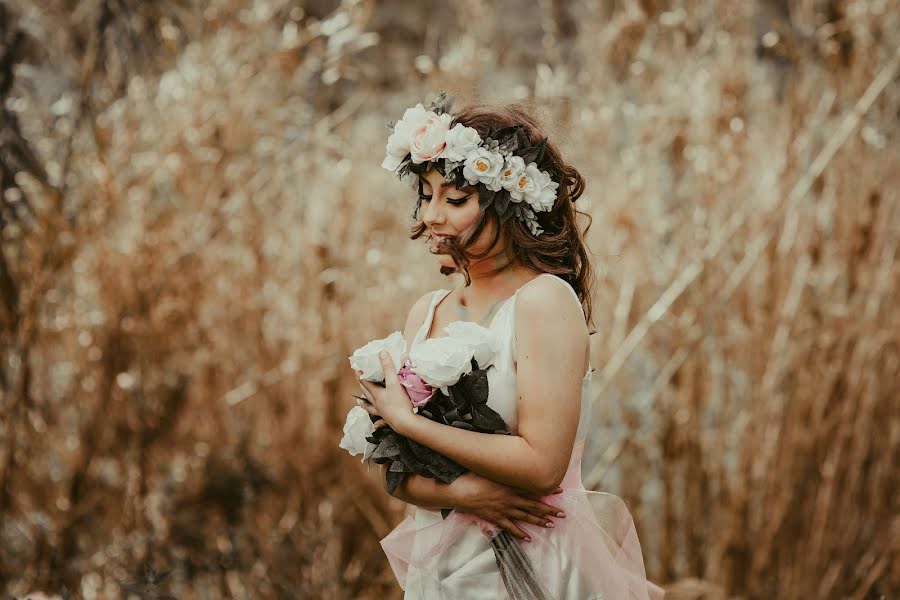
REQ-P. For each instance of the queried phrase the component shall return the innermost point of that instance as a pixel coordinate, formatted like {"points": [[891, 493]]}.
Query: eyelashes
{"points": [[453, 201]]}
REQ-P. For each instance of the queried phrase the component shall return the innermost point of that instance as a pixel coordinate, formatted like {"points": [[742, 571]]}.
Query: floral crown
{"points": [[504, 166]]}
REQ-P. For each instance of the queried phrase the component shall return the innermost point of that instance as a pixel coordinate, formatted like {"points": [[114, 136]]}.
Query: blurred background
{"points": [[197, 232]]}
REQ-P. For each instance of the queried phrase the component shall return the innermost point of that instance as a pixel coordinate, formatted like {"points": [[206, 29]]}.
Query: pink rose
{"points": [[429, 139], [419, 392]]}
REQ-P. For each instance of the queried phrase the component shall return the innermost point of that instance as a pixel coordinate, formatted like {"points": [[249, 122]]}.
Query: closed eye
{"points": [[453, 201]]}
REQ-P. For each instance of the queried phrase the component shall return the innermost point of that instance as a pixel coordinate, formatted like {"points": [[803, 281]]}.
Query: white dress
{"points": [[592, 553]]}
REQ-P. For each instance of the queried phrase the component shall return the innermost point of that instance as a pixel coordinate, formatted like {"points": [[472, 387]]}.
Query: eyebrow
{"points": [[446, 184]]}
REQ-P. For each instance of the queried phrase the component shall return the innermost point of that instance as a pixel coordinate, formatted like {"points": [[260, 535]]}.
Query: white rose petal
{"points": [[398, 143], [440, 362], [546, 195], [357, 427], [366, 359], [461, 140], [482, 343], [483, 166], [429, 140], [513, 167], [528, 185]]}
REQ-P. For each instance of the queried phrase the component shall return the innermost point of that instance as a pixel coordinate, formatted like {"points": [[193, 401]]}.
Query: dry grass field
{"points": [[197, 232]]}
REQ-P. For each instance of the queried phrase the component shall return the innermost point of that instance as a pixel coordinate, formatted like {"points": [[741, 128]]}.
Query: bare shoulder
{"points": [[549, 317], [549, 301], [416, 316]]}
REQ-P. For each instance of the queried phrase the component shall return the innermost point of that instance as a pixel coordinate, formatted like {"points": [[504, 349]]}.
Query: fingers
{"points": [[368, 407], [387, 365], [364, 385], [380, 423], [534, 495], [540, 509], [511, 527], [521, 515]]}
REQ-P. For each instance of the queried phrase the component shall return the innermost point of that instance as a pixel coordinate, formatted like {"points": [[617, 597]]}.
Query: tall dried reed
{"points": [[196, 233]]}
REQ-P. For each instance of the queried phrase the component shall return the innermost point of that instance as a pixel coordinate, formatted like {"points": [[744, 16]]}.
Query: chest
{"points": [[449, 310]]}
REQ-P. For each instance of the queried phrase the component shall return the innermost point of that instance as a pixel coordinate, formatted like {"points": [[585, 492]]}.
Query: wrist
{"points": [[406, 424], [456, 493]]}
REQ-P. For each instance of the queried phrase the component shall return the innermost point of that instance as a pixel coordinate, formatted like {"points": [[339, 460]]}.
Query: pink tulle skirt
{"points": [[592, 553]]}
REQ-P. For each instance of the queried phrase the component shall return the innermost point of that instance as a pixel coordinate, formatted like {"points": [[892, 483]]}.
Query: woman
{"points": [[497, 204]]}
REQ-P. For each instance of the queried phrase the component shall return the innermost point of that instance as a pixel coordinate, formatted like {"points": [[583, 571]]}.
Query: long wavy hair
{"points": [[560, 249]]}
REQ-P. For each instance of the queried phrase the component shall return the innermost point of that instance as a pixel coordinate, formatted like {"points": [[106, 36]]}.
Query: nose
{"points": [[433, 215]]}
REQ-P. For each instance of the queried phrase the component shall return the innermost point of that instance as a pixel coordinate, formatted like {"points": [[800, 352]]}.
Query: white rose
{"points": [[440, 362], [527, 185], [356, 429], [398, 143], [544, 199], [513, 167], [366, 359], [484, 166], [482, 343], [461, 140], [429, 139]]}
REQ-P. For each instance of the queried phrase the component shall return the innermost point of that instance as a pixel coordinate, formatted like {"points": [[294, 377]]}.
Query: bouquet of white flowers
{"points": [[446, 379]]}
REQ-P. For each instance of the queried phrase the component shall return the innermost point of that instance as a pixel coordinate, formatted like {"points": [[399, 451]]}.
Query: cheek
{"points": [[465, 217], [486, 235]]}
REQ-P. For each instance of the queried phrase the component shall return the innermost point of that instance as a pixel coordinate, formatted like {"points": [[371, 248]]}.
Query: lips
{"points": [[439, 241]]}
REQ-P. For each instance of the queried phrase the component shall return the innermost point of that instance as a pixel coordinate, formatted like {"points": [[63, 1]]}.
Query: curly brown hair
{"points": [[560, 249]]}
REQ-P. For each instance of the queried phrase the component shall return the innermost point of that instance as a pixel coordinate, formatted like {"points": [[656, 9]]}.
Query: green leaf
{"points": [[399, 467], [485, 197], [501, 201], [509, 212], [389, 447], [487, 419], [393, 480], [473, 387], [534, 154]]}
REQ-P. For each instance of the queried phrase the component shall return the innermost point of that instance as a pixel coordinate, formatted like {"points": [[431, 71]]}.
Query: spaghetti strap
{"points": [[436, 298]]}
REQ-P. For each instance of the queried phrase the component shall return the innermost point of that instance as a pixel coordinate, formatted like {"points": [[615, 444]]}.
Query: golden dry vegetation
{"points": [[196, 233]]}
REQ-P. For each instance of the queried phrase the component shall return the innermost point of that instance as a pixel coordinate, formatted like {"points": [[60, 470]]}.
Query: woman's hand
{"points": [[502, 505], [389, 402]]}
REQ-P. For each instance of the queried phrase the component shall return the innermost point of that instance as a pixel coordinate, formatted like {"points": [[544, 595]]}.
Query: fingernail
{"points": [[549, 524], [527, 539], [561, 514]]}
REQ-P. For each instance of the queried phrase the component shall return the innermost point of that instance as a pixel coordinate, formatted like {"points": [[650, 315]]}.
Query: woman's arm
{"points": [[423, 491], [552, 359], [415, 489], [494, 502]]}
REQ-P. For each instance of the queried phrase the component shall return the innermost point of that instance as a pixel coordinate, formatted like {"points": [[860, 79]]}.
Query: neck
{"points": [[488, 285]]}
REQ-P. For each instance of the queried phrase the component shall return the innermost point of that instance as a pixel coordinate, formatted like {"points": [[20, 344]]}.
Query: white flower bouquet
{"points": [[446, 381]]}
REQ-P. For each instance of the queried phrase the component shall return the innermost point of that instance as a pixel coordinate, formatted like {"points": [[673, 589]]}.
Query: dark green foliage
{"points": [[465, 407]]}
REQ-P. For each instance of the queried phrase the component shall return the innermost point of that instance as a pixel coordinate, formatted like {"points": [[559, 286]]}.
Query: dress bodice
{"points": [[502, 388]]}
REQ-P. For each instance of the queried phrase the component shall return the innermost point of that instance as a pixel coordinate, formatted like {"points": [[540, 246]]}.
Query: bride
{"points": [[496, 201]]}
